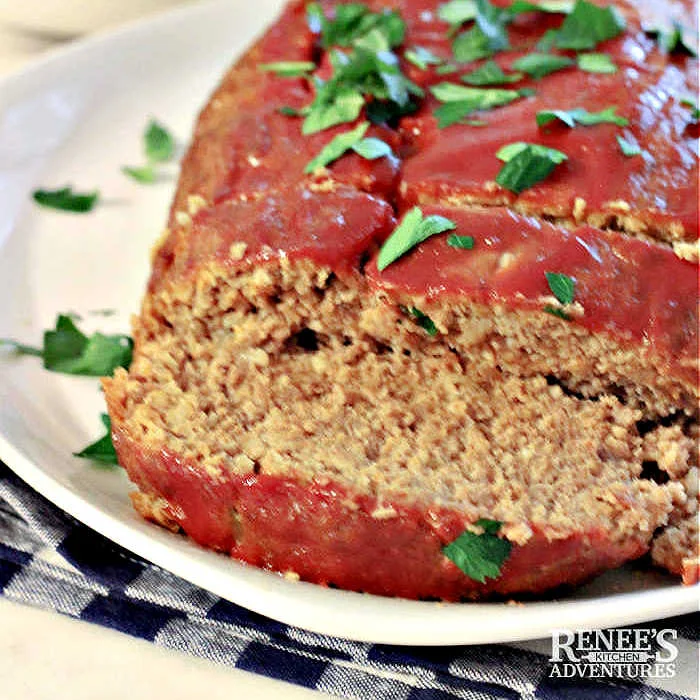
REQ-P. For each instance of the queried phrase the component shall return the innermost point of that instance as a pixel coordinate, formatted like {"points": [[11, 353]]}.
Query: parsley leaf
{"points": [[694, 111], [628, 148], [551, 6], [412, 230], [490, 73], [572, 117], [462, 242], [446, 68], [588, 25], [353, 21], [562, 286], [159, 147], [290, 111], [537, 65], [288, 69], [158, 142], [457, 12], [480, 556], [421, 57], [66, 349], [372, 148], [596, 63], [332, 107], [423, 321], [145, 174], [487, 36], [337, 147], [526, 164], [65, 199], [101, 450], [556, 311], [460, 101], [674, 38]]}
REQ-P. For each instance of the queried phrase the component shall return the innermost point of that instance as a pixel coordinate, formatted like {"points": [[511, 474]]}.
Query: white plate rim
{"points": [[403, 622]]}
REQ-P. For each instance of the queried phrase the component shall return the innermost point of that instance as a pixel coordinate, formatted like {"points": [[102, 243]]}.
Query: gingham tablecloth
{"points": [[49, 560]]}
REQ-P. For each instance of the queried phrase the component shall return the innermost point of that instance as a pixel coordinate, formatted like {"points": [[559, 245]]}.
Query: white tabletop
{"points": [[46, 655]]}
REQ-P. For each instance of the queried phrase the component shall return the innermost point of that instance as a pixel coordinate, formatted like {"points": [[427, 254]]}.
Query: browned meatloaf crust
{"points": [[294, 405]]}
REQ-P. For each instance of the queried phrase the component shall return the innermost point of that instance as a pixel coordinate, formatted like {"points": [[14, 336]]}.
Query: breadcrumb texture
{"points": [[287, 404]]}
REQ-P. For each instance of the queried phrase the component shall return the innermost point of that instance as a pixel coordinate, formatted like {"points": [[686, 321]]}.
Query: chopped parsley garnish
{"points": [[65, 199], [596, 63], [552, 6], [526, 164], [423, 321], [290, 111], [370, 148], [413, 229], [562, 286], [101, 450], [462, 242], [572, 117], [628, 148], [490, 73], [480, 556], [421, 57], [159, 147], [66, 349], [158, 143], [288, 69], [488, 35], [674, 38], [369, 69], [457, 12], [446, 68], [353, 21], [694, 111], [587, 26], [537, 65], [460, 101]]}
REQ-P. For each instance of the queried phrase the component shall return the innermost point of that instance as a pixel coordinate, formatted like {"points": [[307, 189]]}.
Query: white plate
{"points": [[77, 117]]}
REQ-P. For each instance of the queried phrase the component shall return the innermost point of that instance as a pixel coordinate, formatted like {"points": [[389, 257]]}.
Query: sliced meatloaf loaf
{"points": [[424, 319]]}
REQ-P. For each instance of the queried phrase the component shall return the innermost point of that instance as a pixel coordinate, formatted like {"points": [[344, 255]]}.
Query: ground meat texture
{"points": [[286, 406]]}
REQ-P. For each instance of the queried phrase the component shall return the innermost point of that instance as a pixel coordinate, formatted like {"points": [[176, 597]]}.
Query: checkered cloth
{"points": [[49, 560]]}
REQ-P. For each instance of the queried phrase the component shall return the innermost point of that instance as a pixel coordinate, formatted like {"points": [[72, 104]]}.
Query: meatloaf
{"points": [[423, 322]]}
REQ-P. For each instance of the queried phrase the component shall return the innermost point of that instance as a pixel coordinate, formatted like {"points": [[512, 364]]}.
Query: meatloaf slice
{"points": [[297, 407]]}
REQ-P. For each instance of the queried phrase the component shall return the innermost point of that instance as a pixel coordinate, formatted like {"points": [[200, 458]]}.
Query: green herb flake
{"points": [[65, 199], [588, 25], [490, 73], [526, 164], [457, 12], [353, 21], [66, 349], [424, 321], [628, 148], [460, 101], [288, 69], [572, 117], [145, 174], [480, 556], [412, 230], [372, 148], [694, 111], [562, 286], [101, 450], [461, 242], [537, 65], [556, 311], [596, 63], [674, 38], [446, 69], [552, 6], [421, 57], [290, 111], [335, 148], [159, 144]]}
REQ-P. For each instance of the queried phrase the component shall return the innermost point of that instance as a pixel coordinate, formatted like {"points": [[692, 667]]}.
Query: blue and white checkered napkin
{"points": [[49, 560]]}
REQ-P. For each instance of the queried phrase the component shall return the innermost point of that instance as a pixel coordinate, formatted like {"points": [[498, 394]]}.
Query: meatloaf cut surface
{"points": [[518, 385]]}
